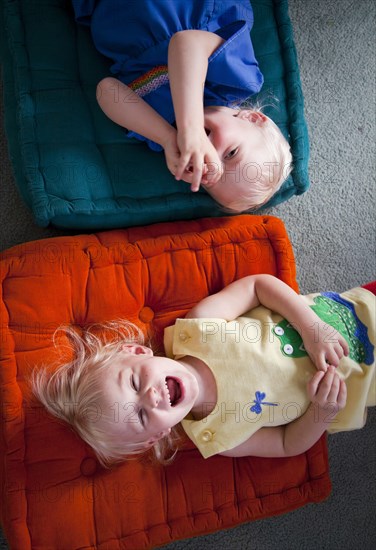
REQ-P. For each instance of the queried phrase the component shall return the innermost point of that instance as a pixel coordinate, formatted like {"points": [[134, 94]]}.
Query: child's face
{"points": [[236, 137], [147, 395]]}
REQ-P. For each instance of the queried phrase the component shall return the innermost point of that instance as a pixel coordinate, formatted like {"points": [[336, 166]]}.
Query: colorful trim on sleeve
{"points": [[150, 81]]}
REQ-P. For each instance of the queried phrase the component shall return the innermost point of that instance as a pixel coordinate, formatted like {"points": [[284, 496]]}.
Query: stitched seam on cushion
{"points": [[26, 125], [212, 247], [308, 497], [91, 202], [236, 501], [93, 514], [5, 439], [166, 501], [87, 298]]}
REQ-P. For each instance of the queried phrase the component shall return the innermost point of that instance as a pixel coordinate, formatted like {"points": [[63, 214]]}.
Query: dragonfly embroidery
{"points": [[259, 401]]}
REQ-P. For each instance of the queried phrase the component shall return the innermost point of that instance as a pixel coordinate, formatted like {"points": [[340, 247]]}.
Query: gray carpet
{"points": [[332, 228]]}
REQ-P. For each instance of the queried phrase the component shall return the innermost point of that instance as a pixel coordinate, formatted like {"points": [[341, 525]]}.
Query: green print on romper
{"points": [[336, 314]]}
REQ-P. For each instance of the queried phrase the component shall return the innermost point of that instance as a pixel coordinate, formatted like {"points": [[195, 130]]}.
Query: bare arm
{"points": [[328, 395], [188, 56], [249, 292], [126, 108]]}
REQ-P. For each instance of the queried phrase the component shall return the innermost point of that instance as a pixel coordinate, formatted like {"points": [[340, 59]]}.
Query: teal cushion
{"points": [[77, 169]]}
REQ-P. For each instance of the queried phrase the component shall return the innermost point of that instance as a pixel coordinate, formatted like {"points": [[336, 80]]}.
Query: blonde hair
{"points": [[273, 173], [73, 390]]}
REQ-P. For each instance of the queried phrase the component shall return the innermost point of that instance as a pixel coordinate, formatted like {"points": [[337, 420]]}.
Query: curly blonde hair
{"points": [[73, 390]]}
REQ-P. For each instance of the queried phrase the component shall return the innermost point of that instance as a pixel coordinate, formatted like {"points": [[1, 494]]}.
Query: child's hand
{"points": [[328, 391], [325, 345], [171, 152], [198, 159]]}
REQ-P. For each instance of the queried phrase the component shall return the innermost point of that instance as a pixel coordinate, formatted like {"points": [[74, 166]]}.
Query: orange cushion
{"points": [[54, 493]]}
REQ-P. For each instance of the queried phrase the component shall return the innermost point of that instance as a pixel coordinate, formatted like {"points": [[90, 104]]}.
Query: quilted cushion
{"points": [[54, 493], [73, 166]]}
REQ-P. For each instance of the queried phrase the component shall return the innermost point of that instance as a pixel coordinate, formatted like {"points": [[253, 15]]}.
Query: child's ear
{"points": [[256, 117], [136, 349]]}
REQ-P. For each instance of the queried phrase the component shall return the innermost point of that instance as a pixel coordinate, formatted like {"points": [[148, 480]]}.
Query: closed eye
{"points": [[142, 417], [232, 153], [133, 384]]}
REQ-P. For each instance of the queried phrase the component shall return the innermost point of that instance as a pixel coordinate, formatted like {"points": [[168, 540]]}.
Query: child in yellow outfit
{"points": [[242, 370], [262, 369]]}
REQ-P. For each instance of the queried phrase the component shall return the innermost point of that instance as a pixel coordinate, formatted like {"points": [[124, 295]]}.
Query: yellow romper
{"points": [[261, 368]]}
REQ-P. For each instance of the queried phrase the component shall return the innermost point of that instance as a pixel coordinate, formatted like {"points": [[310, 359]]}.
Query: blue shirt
{"points": [[135, 34]]}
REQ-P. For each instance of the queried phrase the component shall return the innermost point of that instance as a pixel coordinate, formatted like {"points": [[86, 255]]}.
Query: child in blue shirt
{"points": [[190, 65]]}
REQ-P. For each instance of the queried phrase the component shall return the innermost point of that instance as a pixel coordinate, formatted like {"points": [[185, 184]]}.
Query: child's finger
{"points": [[325, 384], [344, 344], [332, 358], [339, 350], [320, 362], [182, 165], [197, 175], [334, 389], [313, 384]]}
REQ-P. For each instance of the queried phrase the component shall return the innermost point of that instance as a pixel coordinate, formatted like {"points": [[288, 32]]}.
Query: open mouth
{"points": [[174, 391], [207, 131]]}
